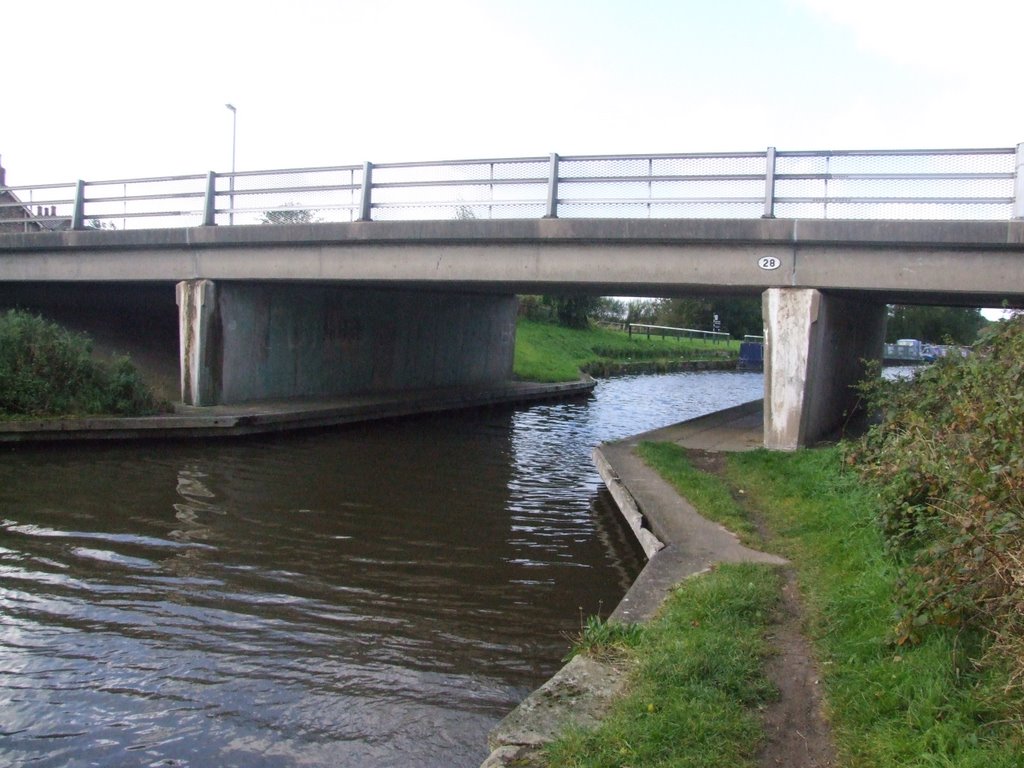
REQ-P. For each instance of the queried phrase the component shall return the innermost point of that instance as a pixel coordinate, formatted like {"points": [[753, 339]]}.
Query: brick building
{"points": [[17, 216]]}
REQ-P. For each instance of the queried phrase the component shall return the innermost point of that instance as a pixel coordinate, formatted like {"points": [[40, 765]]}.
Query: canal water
{"points": [[377, 595]]}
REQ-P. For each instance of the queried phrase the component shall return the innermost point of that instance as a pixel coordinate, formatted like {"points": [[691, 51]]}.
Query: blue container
{"points": [[751, 356]]}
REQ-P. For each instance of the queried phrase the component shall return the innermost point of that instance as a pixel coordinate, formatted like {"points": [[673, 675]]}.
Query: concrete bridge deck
{"points": [[969, 263]]}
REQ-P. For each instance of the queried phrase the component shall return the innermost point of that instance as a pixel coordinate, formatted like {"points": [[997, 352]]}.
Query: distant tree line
{"points": [[736, 316], [742, 316], [934, 324]]}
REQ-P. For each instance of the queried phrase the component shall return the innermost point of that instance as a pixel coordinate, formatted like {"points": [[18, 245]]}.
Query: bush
{"points": [[46, 370], [949, 457]]}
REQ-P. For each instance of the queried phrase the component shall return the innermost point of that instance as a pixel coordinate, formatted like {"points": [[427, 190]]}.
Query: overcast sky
{"points": [[104, 89]]}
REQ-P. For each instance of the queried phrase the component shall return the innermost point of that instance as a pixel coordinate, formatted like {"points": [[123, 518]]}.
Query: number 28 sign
{"points": [[769, 262]]}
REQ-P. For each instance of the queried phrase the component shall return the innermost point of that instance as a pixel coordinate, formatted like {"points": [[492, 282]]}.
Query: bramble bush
{"points": [[948, 455], [46, 370]]}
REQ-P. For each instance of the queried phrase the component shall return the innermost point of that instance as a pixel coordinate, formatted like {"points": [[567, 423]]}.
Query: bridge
{"points": [[331, 281]]}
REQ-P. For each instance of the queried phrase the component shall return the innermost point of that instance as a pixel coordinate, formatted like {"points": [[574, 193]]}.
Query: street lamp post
{"points": [[231, 188]]}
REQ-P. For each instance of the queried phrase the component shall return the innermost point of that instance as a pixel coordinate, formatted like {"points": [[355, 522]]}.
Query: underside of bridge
{"points": [[243, 341], [231, 342]]}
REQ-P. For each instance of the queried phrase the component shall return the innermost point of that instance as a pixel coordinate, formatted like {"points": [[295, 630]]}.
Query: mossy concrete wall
{"points": [[249, 341]]}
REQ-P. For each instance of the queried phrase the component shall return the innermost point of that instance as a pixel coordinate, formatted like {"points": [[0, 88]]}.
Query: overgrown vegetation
{"points": [[697, 681], [548, 352], [948, 456], [46, 370], [890, 706]]}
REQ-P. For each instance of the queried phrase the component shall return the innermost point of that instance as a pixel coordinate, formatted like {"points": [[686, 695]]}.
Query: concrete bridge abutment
{"points": [[816, 346], [246, 341]]}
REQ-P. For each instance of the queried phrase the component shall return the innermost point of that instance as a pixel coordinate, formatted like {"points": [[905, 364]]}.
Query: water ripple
{"points": [[376, 596]]}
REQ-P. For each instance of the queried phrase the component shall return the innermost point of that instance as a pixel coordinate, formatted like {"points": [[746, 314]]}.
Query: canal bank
{"points": [[221, 421], [678, 542]]}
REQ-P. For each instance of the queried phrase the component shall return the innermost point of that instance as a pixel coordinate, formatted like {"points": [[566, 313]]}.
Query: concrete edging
{"points": [[678, 542], [279, 416]]}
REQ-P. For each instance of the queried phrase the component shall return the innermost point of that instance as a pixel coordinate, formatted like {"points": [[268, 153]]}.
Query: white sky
{"points": [[106, 89]]}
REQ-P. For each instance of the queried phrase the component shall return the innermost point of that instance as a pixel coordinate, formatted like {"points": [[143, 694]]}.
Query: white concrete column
{"points": [[815, 349], [198, 341]]}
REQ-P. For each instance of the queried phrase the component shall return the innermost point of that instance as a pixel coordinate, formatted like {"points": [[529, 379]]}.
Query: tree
{"points": [[644, 311], [685, 313], [289, 216], [573, 311], [739, 316], [934, 324], [609, 310]]}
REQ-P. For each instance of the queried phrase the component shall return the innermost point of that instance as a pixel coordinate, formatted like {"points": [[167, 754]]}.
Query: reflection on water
{"points": [[374, 596]]}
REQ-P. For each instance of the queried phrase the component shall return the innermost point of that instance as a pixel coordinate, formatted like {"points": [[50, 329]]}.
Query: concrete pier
{"points": [[816, 347]]}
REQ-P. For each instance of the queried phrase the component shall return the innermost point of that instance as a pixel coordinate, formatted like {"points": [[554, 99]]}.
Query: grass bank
{"points": [[47, 370], [920, 704], [549, 353], [889, 705], [696, 683]]}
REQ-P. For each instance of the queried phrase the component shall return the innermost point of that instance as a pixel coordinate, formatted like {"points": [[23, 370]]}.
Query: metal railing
{"points": [[664, 331], [857, 184]]}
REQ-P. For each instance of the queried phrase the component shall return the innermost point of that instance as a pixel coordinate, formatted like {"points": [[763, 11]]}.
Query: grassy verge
{"points": [[696, 683], [548, 352], [706, 492], [912, 705], [919, 705]]}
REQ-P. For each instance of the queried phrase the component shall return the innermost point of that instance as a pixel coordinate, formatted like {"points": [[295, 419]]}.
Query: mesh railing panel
{"points": [[463, 210], [894, 211], [454, 190], [297, 196], [955, 184], [145, 203], [896, 163], [684, 186], [661, 210]]}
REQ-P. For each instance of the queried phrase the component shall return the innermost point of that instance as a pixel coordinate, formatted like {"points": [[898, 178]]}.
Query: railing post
{"points": [[210, 200], [1018, 185], [365, 203], [552, 206], [769, 184], [78, 212]]}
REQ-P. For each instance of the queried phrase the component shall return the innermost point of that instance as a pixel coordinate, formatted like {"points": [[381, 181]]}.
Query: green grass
{"points": [[697, 679], [548, 352], [697, 682], [605, 638], [908, 706], [706, 492]]}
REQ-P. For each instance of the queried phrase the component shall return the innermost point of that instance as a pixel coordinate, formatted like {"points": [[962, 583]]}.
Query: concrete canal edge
{"points": [[678, 543], [263, 417]]}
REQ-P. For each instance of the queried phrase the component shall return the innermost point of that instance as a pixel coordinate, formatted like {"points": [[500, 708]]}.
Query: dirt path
{"points": [[797, 735]]}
